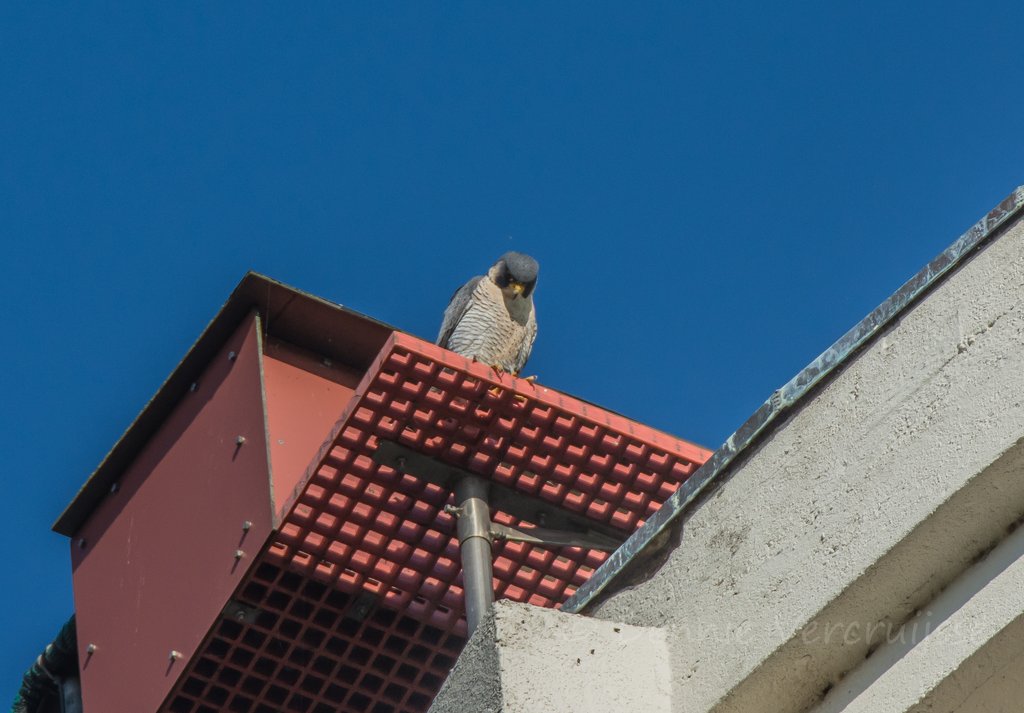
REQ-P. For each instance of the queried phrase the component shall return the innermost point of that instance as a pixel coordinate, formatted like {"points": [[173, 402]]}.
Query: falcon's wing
{"points": [[527, 346], [456, 308]]}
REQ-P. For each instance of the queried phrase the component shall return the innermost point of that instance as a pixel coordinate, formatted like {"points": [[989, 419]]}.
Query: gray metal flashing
{"points": [[798, 388]]}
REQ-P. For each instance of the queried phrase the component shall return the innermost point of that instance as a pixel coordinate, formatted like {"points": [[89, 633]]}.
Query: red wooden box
{"points": [[242, 550]]}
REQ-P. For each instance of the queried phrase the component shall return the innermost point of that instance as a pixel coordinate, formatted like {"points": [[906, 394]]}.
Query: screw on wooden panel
{"points": [[90, 649], [81, 543], [328, 362], [232, 356], [115, 487], [246, 526], [239, 554], [193, 386], [240, 440], [175, 655]]}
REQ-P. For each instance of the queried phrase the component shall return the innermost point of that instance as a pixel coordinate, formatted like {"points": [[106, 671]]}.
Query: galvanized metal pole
{"points": [[474, 527], [70, 695]]}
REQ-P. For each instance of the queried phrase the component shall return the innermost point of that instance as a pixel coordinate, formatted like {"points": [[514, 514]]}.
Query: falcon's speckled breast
{"points": [[491, 318], [495, 330]]}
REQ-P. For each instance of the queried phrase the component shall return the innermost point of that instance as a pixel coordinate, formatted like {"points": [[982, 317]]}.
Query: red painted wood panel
{"points": [[156, 562], [305, 398]]}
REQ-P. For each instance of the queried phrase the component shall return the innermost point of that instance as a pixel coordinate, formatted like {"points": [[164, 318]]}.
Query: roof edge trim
{"points": [[794, 391], [271, 299]]}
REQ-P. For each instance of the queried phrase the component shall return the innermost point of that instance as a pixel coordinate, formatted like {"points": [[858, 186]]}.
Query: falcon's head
{"points": [[515, 274]]}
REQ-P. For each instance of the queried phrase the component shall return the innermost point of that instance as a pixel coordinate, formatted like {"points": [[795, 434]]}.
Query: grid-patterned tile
{"points": [[311, 648], [357, 531]]}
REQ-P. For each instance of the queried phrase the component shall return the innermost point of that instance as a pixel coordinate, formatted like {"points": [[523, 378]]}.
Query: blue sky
{"points": [[715, 193]]}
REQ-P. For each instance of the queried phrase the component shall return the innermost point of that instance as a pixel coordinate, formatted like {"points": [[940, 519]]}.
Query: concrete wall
{"points": [[963, 652], [524, 659], [864, 555], [856, 512]]}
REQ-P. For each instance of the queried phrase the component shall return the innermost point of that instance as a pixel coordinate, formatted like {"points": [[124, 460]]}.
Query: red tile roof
{"points": [[356, 602]]}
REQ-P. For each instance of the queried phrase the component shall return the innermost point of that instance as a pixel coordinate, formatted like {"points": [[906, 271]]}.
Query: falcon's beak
{"points": [[518, 287]]}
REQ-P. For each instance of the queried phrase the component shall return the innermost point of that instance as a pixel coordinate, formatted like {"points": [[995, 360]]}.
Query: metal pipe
{"points": [[55, 668], [70, 695], [474, 528]]}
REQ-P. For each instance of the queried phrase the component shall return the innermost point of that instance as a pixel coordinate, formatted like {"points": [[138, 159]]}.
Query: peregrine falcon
{"points": [[491, 318]]}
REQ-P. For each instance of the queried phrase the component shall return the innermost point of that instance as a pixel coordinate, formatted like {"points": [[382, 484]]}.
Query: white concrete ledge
{"points": [[524, 659], [963, 653]]}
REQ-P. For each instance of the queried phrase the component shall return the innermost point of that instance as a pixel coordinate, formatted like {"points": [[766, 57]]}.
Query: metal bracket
{"points": [[545, 537], [474, 497], [550, 519]]}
